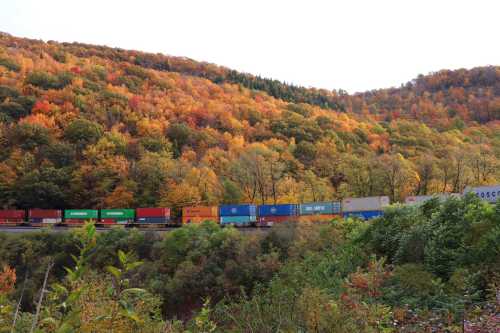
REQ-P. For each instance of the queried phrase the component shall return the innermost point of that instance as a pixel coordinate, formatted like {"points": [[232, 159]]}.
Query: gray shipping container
{"points": [[365, 204], [417, 199], [487, 193]]}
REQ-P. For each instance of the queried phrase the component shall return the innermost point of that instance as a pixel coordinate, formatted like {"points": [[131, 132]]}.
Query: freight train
{"points": [[240, 215]]}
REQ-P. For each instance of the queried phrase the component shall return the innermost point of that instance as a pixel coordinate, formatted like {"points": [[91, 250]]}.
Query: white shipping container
{"points": [[51, 221], [365, 204], [488, 193], [417, 199]]}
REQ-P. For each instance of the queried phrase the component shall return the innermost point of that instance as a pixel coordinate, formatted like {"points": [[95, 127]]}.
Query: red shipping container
{"points": [[44, 213], [12, 214], [108, 221], [152, 212], [277, 218]]}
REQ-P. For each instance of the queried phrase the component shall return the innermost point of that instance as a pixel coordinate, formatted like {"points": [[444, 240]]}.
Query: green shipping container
{"points": [[119, 214], [85, 214]]}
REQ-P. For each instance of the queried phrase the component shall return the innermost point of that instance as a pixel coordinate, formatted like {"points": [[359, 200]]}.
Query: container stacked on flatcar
{"points": [[117, 216], [152, 215], [319, 211], [420, 199], [79, 216], [198, 214], [44, 216], [238, 215], [271, 214], [12, 216], [364, 208], [487, 193]]}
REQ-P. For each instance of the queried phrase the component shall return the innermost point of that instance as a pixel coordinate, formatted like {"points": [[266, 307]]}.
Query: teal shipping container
{"points": [[320, 208], [237, 220]]}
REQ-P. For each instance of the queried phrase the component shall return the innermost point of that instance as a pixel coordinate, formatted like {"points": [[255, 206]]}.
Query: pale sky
{"points": [[355, 45]]}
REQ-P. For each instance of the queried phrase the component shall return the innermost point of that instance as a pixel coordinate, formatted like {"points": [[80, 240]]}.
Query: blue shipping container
{"points": [[237, 210], [370, 214], [314, 208], [153, 219], [238, 220], [278, 210]]}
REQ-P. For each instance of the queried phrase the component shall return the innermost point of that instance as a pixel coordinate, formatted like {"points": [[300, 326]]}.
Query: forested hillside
{"points": [[91, 126]]}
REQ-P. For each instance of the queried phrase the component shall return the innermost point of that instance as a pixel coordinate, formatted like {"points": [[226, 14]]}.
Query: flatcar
{"points": [[240, 215]]}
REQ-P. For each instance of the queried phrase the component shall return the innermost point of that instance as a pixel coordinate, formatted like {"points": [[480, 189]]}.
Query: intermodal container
{"points": [[418, 199], [157, 220], [238, 220], [278, 210], [44, 214], [315, 208], [238, 210], [36, 220], [202, 211], [318, 217], [264, 221], [153, 212], [12, 214], [81, 214], [487, 193], [199, 219], [117, 214], [364, 215], [114, 221], [365, 204]]}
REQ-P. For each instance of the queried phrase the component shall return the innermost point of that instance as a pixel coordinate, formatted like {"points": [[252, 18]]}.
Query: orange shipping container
{"points": [[199, 219], [211, 211]]}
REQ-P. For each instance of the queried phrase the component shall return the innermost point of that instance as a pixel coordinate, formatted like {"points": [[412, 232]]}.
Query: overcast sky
{"points": [[353, 44]]}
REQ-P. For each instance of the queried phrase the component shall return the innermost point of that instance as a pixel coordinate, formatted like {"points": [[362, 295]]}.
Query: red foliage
{"points": [[134, 101], [76, 70], [42, 106]]}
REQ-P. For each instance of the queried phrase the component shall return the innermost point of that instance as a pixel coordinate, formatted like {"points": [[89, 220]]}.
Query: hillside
{"points": [[91, 126]]}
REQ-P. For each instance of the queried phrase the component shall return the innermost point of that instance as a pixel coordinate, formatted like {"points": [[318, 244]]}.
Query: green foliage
{"points": [[322, 277], [180, 135], [83, 132], [10, 64], [30, 136], [48, 81]]}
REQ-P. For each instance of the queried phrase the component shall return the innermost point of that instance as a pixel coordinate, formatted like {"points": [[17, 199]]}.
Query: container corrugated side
{"points": [[80, 214], [364, 215], [365, 204], [277, 210], [153, 212], [153, 220], [199, 219], [117, 213], [44, 213], [38, 220], [238, 210], [238, 220], [417, 199], [319, 208], [201, 211], [271, 220], [12, 214], [487, 193]]}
